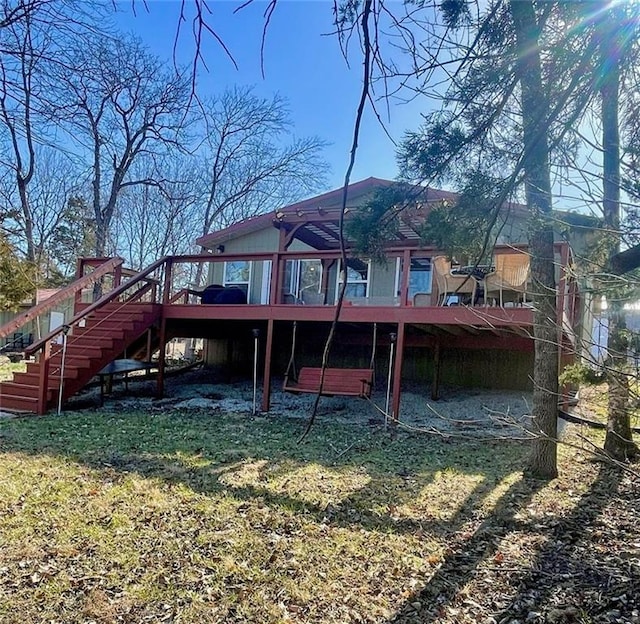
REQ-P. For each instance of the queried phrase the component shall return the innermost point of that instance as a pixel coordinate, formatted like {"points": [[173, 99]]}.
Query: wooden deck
{"points": [[180, 314]]}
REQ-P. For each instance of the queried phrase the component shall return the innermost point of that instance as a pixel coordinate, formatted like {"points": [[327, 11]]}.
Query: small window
{"points": [[238, 273], [357, 279], [419, 276], [303, 279]]}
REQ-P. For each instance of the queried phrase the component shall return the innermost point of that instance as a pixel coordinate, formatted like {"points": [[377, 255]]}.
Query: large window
{"points": [[238, 273], [357, 279]]}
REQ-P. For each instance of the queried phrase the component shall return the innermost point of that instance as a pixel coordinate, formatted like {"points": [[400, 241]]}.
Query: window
{"points": [[419, 276], [303, 280], [309, 279], [357, 279], [238, 273], [265, 290]]}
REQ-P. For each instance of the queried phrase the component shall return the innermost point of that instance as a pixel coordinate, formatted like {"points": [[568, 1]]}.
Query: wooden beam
{"points": [[166, 288], [397, 373], [43, 385], [404, 281], [290, 235], [435, 382], [266, 383], [161, 358]]}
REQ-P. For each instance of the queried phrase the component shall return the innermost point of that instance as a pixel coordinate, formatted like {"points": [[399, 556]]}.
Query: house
{"points": [[463, 345], [289, 268], [40, 325]]}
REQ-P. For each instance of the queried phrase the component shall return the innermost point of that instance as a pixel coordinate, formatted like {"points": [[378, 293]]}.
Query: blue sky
{"points": [[303, 62]]}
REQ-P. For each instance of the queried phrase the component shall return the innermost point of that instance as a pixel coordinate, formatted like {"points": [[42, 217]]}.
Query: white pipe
{"points": [[256, 333]]}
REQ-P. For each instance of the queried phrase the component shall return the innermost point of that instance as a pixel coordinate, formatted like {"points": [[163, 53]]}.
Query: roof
{"points": [[315, 221], [44, 293], [318, 215]]}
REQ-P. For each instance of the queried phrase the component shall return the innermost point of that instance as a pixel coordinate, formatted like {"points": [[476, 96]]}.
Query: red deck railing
{"points": [[163, 283]]}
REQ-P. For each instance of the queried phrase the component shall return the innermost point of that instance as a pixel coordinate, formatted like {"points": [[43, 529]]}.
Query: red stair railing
{"points": [[109, 266], [44, 344]]}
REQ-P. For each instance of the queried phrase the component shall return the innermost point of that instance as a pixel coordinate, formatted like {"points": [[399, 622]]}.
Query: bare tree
{"points": [[18, 87], [36, 176], [251, 163], [153, 220], [119, 105], [55, 181]]}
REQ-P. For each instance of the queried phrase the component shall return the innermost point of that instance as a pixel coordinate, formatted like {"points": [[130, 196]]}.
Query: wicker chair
{"points": [[509, 278], [450, 284]]}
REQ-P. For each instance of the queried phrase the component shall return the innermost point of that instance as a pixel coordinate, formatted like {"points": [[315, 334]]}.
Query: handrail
{"points": [[61, 295], [148, 287], [116, 292], [183, 292]]}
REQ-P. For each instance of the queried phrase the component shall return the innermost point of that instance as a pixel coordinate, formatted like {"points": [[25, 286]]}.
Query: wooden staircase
{"points": [[102, 336]]}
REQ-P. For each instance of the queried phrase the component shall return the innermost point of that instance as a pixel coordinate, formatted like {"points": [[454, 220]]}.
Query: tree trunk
{"points": [[543, 460], [618, 443]]}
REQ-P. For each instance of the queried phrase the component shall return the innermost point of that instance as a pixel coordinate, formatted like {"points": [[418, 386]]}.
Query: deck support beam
{"points": [[437, 361], [43, 381], [397, 374], [266, 382], [161, 358]]}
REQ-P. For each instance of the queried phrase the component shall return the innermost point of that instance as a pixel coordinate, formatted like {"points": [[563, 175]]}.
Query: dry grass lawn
{"points": [[207, 518]]}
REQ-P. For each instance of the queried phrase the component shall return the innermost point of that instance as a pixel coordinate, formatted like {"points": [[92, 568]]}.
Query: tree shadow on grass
{"points": [[393, 472], [213, 456], [552, 589], [583, 570]]}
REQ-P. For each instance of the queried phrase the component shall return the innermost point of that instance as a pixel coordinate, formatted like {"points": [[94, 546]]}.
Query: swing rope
{"points": [[292, 363], [372, 361]]}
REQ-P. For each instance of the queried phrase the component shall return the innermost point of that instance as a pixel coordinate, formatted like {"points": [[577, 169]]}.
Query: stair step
{"points": [[76, 358], [104, 342], [105, 335], [100, 333], [109, 327], [88, 350], [33, 379], [11, 388], [11, 402], [71, 369]]}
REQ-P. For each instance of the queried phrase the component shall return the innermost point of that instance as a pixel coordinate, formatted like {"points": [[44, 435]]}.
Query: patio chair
{"points": [[450, 284], [509, 278]]}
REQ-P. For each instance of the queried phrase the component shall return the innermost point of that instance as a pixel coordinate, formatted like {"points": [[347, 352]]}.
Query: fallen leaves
{"points": [[130, 519]]}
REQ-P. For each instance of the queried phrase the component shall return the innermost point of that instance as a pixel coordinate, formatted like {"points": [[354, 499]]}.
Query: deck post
{"points": [[274, 293], [166, 288], [77, 297], [161, 358], [148, 351], [43, 385], [435, 382], [397, 374], [404, 282], [117, 276], [266, 383]]}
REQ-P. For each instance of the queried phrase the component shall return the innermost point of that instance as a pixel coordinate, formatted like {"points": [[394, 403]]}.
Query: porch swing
{"points": [[355, 382]]}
